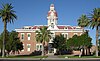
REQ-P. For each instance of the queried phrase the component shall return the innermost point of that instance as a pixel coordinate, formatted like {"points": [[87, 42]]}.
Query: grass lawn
{"points": [[27, 56], [66, 56]]}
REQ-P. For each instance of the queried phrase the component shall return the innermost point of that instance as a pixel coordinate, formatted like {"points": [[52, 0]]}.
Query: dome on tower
{"points": [[52, 11], [55, 14], [52, 5]]}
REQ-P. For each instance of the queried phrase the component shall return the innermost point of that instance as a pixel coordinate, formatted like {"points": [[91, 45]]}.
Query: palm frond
{"points": [[83, 21], [7, 13], [43, 35], [95, 18]]}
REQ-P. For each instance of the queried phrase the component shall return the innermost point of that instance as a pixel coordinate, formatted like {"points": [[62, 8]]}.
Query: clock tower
{"points": [[52, 17]]}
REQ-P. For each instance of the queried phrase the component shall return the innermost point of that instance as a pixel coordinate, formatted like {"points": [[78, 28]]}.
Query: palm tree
{"points": [[8, 15], [43, 36], [95, 22], [83, 21]]}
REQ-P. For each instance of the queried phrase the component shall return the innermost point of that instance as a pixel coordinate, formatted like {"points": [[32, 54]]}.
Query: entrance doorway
{"points": [[50, 48]]}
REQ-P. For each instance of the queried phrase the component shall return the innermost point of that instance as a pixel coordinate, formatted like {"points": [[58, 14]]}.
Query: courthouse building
{"points": [[27, 33]]}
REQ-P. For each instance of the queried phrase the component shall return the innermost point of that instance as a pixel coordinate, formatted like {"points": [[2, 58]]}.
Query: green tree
{"points": [[85, 42], [73, 43], [83, 21], [59, 42], [43, 36], [1, 39], [78, 42], [8, 15], [13, 43], [95, 23]]}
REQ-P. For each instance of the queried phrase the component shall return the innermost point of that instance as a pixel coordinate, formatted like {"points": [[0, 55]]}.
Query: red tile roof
{"points": [[34, 27], [59, 27], [62, 27]]}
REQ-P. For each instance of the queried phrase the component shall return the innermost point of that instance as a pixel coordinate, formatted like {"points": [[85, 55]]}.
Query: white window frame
{"points": [[75, 33], [28, 38], [39, 47], [28, 48], [23, 36], [23, 47], [65, 34]]}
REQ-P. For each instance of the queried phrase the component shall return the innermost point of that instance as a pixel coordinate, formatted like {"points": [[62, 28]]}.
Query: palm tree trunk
{"points": [[4, 38], [83, 52], [43, 49], [88, 51], [97, 31]]}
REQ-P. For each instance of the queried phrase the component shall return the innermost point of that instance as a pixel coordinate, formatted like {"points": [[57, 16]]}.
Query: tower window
{"points": [[51, 10]]}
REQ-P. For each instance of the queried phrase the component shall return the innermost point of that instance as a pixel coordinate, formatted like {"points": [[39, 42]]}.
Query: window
{"points": [[65, 35], [38, 47], [28, 35], [28, 47], [23, 48], [52, 25], [75, 34], [65, 28], [22, 36], [41, 47]]}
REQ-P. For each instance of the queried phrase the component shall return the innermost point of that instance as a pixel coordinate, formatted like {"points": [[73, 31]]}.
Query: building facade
{"points": [[27, 33]]}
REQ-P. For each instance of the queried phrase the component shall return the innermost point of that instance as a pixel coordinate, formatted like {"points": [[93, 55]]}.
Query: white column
{"points": [[55, 50]]}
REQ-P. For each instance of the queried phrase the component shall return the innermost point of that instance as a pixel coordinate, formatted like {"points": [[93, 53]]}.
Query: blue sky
{"points": [[34, 12]]}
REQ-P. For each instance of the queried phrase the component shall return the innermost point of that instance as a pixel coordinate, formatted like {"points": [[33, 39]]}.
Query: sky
{"points": [[34, 12]]}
